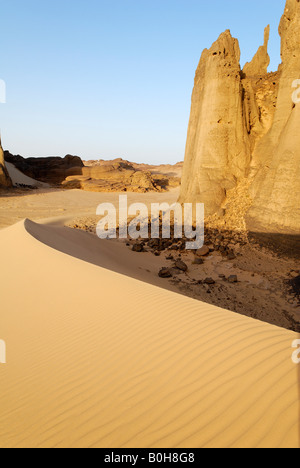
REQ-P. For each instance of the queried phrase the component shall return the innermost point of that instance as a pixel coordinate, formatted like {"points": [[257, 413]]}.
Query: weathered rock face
{"points": [[260, 90], [52, 170], [276, 160], [218, 148], [5, 180], [262, 144]]}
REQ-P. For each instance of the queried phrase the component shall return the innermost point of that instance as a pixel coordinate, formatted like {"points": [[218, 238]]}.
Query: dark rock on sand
{"points": [[233, 279], [209, 281], [138, 247], [198, 261], [203, 252], [180, 265], [165, 273]]}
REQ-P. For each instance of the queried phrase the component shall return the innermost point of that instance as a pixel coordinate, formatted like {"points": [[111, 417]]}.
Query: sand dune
{"points": [[18, 178], [97, 359]]}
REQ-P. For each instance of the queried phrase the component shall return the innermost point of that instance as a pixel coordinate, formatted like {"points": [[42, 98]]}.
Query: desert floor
{"points": [[263, 290], [101, 352]]}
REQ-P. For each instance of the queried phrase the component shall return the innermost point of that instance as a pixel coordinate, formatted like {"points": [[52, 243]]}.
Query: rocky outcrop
{"points": [[98, 176], [244, 133], [276, 160], [218, 148], [165, 176], [117, 177], [5, 180], [261, 60], [52, 170]]}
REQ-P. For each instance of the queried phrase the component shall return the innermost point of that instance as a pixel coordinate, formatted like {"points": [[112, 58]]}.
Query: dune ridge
{"points": [[97, 359], [18, 178]]}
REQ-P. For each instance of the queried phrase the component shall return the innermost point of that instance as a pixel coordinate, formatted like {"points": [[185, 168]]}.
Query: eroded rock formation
{"points": [[218, 148], [261, 60], [52, 170], [116, 177], [276, 160], [244, 126]]}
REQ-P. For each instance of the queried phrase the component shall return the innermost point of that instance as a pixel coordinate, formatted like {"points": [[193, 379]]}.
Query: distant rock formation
{"points": [[169, 170], [97, 176], [5, 180], [244, 126], [52, 170], [115, 177], [162, 177]]}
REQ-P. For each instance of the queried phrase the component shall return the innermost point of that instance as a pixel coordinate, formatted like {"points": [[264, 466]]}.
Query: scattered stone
{"points": [[198, 261], [233, 279], [153, 243], [209, 281], [231, 256], [170, 257], [165, 273], [138, 247], [181, 265], [203, 252]]}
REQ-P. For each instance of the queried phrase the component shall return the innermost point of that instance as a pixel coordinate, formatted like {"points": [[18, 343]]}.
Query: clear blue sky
{"points": [[113, 78]]}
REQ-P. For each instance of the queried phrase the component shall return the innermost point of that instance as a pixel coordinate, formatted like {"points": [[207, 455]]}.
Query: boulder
{"points": [[203, 252], [180, 265], [165, 273], [233, 279], [138, 247], [209, 281]]}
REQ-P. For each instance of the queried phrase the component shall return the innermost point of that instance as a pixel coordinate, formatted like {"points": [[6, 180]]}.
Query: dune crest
{"points": [[97, 359]]}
